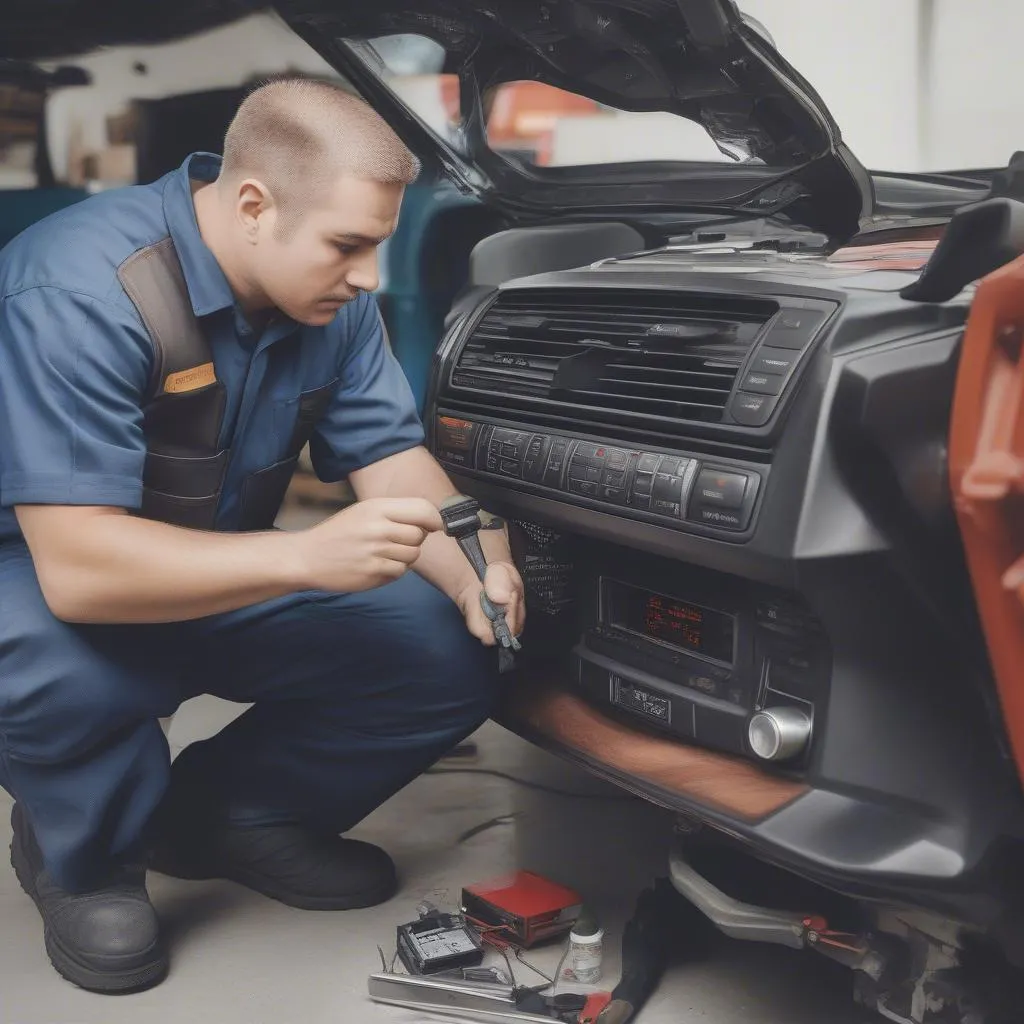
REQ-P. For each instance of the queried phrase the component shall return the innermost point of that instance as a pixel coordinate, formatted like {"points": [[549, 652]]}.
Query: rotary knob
{"points": [[779, 734]]}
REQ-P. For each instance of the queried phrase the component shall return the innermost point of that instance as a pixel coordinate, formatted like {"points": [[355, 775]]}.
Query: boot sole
{"points": [[266, 887], [67, 965]]}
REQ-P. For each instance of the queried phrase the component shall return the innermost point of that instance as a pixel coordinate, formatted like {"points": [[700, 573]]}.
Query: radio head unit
{"points": [[703, 657]]}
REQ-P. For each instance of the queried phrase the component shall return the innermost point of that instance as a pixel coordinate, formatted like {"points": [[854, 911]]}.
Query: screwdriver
{"points": [[463, 520]]}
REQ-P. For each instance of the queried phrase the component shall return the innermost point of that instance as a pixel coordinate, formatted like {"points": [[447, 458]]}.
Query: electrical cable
{"points": [[501, 819], [561, 964]]}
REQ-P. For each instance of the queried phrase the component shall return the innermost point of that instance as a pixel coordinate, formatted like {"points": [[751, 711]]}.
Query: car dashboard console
{"points": [[735, 471]]}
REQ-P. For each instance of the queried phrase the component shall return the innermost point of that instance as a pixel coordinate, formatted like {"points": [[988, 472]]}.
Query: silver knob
{"points": [[778, 734]]}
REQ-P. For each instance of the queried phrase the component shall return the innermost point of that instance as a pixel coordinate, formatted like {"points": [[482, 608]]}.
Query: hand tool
{"points": [[463, 520]]}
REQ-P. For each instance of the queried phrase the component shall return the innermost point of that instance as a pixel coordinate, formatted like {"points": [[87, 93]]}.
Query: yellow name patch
{"points": [[190, 380]]}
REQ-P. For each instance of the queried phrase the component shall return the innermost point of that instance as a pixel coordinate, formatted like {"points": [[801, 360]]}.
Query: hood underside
{"points": [[697, 59]]}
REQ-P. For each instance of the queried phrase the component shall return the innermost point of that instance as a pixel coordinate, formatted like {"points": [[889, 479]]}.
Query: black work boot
{"points": [[290, 863], [105, 940]]}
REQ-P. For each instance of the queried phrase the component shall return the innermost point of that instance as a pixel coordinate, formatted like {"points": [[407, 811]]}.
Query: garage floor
{"points": [[241, 959]]}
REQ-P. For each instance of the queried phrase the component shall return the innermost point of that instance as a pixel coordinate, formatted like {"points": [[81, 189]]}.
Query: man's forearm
{"points": [[416, 473], [122, 569]]}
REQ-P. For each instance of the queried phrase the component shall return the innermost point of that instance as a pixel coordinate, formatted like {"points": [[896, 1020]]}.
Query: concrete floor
{"points": [[239, 958]]}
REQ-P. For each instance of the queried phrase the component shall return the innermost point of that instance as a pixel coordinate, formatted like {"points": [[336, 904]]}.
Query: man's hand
{"points": [[367, 544], [504, 586]]}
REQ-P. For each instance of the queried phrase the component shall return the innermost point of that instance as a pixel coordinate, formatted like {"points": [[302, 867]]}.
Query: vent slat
{"points": [[648, 353], [655, 389]]}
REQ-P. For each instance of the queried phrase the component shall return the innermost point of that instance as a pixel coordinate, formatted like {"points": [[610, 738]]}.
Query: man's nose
{"points": [[363, 274]]}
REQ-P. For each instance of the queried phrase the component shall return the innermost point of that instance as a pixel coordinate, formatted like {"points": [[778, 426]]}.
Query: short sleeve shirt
{"points": [[75, 361]]}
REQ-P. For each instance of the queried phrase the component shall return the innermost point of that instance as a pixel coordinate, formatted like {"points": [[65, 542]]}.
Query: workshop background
{"points": [[915, 84]]}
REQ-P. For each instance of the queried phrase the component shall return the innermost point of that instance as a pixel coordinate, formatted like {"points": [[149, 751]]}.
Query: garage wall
{"points": [[225, 57], [975, 111], [862, 58]]}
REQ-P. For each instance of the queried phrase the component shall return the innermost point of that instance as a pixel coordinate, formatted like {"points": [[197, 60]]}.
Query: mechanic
{"points": [[360, 673]]}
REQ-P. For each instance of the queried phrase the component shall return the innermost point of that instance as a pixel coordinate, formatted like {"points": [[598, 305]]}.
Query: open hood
{"points": [[699, 63]]}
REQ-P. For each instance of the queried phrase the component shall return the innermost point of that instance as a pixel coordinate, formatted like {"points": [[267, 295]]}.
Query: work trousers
{"points": [[353, 695]]}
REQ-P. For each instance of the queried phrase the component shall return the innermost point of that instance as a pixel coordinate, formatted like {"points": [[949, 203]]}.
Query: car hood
{"points": [[699, 59]]}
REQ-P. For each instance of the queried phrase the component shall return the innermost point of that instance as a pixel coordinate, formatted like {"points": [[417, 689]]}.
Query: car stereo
{"points": [[716, 661]]}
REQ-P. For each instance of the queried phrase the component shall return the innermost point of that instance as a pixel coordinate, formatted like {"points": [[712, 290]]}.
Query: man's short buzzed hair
{"points": [[299, 135]]}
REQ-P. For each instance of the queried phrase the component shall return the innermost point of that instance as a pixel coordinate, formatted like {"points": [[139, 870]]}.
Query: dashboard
{"points": [[727, 474]]}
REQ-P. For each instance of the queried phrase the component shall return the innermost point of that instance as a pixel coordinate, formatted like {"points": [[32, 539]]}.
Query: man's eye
{"points": [[346, 250]]}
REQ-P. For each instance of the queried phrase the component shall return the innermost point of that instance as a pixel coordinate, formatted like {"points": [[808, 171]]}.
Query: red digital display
{"points": [[674, 622]]}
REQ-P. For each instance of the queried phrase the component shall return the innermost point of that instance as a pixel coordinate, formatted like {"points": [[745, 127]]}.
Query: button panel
{"points": [[678, 489], [775, 358]]}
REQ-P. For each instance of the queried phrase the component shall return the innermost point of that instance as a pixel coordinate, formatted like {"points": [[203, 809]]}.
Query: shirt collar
{"points": [[207, 286]]}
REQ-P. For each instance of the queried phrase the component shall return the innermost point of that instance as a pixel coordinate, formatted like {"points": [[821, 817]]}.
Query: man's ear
{"points": [[254, 203]]}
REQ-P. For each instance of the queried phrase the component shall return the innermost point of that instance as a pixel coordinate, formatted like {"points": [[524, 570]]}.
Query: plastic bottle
{"points": [[586, 948]]}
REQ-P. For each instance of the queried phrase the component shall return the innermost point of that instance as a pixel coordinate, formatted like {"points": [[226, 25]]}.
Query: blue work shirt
{"points": [[75, 361]]}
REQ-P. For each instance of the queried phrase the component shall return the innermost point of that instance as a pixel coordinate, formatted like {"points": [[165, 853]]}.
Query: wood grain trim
{"points": [[714, 780]]}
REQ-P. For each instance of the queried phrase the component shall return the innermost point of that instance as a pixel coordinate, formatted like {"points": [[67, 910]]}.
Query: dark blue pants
{"points": [[353, 696]]}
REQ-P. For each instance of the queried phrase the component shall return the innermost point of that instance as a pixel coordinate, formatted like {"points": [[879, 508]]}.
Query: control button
{"points": [[594, 473], [493, 450], [556, 460], [615, 494], [509, 467], [617, 458], [774, 360], [782, 617], [586, 487], [752, 410], [668, 488], [718, 488], [615, 479], [536, 457], [585, 450], [720, 517], [669, 465], [778, 734], [666, 508], [577, 470], [648, 463], [763, 383], [643, 484], [794, 328]]}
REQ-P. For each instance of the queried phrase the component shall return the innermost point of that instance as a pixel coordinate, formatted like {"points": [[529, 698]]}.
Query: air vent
{"points": [[641, 354]]}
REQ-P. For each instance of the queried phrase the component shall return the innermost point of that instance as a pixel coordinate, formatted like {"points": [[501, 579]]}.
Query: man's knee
{"points": [[440, 675], [458, 673], [61, 694]]}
